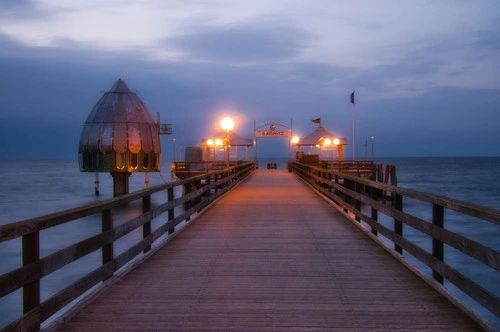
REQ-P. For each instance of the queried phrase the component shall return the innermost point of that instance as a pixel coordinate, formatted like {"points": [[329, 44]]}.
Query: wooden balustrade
{"points": [[359, 198], [350, 192], [35, 268]]}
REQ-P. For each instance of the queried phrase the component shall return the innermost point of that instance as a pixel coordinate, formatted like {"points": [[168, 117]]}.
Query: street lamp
{"points": [[327, 143], [173, 140], [373, 144], [336, 146], [218, 142], [295, 141], [210, 144], [227, 124]]}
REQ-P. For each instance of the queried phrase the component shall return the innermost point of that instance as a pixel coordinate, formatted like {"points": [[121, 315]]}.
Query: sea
{"points": [[30, 188]]}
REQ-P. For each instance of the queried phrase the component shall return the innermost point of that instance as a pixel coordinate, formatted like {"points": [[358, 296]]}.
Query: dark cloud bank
{"points": [[46, 95]]}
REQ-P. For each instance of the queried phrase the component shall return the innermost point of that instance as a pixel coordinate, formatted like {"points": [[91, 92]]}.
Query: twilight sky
{"points": [[426, 73]]}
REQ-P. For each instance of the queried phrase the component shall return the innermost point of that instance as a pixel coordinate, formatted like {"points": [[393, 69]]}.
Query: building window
{"points": [[106, 161], [153, 157], [120, 160], [133, 160], [85, 161]]}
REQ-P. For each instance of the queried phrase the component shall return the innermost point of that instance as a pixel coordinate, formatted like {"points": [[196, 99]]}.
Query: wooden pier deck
{"points": [[270, 256]]}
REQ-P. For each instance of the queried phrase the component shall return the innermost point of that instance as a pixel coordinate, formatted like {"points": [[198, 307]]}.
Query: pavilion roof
{"points": [[319, 134], [234, 139]]}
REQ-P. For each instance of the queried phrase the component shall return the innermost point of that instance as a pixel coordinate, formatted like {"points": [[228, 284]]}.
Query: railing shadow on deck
{"points": [[354, 196], [198, 192]]}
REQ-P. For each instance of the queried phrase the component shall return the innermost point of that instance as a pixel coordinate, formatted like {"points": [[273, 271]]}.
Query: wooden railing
{"points": [[187, 166], [185, 169], [352, 195], [198, 192], [347, 165], [363, 168]]}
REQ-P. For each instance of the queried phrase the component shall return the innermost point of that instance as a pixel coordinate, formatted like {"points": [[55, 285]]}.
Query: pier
{"points": [[260, 251], [271, 255]]}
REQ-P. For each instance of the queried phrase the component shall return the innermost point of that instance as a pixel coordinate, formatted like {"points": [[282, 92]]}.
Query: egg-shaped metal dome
{"points": [[120, 135]]}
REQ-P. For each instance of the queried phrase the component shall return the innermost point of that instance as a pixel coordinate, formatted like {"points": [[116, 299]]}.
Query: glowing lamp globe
{"points": [[227, 123]]}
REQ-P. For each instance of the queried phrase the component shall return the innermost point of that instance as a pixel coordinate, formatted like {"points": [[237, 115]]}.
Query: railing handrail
{"points": [[27, 277], [474, 210], [350, 193], [26, 226]]}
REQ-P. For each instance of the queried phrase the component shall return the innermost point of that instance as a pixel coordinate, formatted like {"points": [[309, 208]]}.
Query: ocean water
{"points": [[473, 180], [33, 188]]}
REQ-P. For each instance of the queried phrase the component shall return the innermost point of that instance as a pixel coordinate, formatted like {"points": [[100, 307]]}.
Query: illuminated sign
{"points": [[165, 129], [272, 133]]}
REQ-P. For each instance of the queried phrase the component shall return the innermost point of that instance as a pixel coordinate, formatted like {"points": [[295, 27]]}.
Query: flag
{"points": [[352, 98], [318, 120]]}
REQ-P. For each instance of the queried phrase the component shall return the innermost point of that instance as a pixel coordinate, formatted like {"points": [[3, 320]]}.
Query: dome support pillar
{"points": [[120, 183], [96, 184]]}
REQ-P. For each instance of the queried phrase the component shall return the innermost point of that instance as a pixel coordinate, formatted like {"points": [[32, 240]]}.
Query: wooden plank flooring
{"points": [[271, 256]]}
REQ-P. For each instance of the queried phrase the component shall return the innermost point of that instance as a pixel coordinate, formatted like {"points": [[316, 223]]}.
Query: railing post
{"points": [[380, 178], [330, 182], [398, 225], [349, 200], [437, 246], [357, 203], [106, 225], [188, 204], [171, 212], [195, 185], [31, 291], [146, 228], [335, 191], [374, 214], [208, 180], [222, 178]]}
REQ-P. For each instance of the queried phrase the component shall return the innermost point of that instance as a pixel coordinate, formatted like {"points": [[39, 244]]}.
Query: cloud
{"points": [[56, 97], [20, 9], [8, 46], [240, 43], [416, 68], [487, 40]]}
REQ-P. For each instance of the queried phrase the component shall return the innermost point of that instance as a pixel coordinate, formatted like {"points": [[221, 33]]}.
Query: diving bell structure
{"points": [[120, 137]]}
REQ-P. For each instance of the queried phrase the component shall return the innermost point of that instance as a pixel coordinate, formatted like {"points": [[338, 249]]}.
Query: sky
{"points": [[425, 73]]}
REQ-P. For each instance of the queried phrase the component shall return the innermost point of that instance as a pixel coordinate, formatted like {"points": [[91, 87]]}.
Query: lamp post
{"points": [[336, 143], [327, 142], [218, 142], [173, 141], [227, 124], [210, 144], [366, 149], [295, 141], [373, 144]]}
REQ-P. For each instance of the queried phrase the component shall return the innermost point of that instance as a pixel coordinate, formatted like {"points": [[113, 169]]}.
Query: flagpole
{"points": [[353, 143], [254, 146], [290, 140]]}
